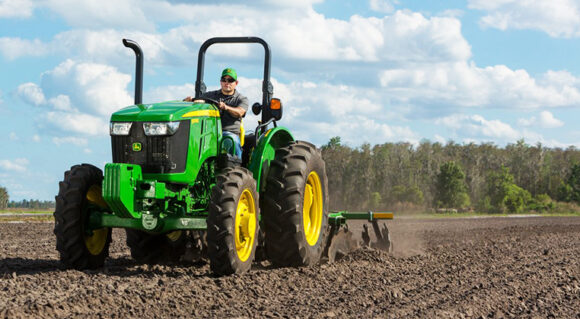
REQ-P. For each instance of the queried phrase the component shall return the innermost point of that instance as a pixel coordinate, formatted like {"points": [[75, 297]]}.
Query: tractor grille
{"points": [[158, 154]]}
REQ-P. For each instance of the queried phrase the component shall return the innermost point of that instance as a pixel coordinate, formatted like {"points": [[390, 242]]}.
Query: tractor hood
{"points": [[164, 112]]}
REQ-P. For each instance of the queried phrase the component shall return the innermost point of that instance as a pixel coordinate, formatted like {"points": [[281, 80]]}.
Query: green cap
{"points": [[231, 72]]}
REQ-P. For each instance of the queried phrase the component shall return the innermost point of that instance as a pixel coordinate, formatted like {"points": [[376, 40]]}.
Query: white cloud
{"points": [[101, 46], [558, 18], [70, 140], [353, 130], [13, 48], [385, 6], [16, 8], [36, 138], [315, 112], [403, 36], [82, 96], [93, 88], [18, 165], [289, 3], [439, 139], [465, 84], [171, 92], [545, 120], [13, 136], [475, 127], [74, 123], [61, 103], [31, 93], [126, 14], [452, 13], [302, 34], [562, 81], [422, 64]]}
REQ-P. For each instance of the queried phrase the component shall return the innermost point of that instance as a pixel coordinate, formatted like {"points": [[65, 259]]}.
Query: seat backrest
{"points": [[242, 133]]}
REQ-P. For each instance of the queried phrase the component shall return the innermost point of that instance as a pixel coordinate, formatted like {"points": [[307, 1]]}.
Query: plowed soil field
{"points": [[445, 268]]}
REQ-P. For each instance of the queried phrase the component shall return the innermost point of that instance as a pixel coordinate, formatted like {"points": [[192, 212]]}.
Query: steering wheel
{"points": [[205, 99], [211, 101]]}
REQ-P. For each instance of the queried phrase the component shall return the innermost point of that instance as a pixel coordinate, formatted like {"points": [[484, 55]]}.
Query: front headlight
{"points": [[120, 128], [160, 128]]}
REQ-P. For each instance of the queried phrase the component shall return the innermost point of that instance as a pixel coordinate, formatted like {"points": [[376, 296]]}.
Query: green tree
{"points": [[414, 195], [450, 186], [3, 198], [574, 182], [403, 194], [516, 198], [403, 172], [565, 192], [504, 194], [497, 186], [541, 202], [398, 194], [334, 142], [375, 200]]}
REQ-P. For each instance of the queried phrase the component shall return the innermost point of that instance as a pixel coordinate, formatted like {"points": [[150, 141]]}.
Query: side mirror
{"points": [[256, 108], [276, 108]]}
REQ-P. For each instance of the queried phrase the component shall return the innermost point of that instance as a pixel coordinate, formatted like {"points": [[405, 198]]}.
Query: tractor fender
{"points": [[265, 151]]}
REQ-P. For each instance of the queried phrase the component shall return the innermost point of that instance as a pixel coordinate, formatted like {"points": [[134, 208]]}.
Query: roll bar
{"points": [[267, 88], [200, 88]]}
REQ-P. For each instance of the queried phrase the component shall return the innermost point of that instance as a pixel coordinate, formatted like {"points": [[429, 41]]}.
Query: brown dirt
{"points": [[445, 268]]}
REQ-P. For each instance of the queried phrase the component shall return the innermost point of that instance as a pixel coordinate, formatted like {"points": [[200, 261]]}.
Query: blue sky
{"points": [[371, 71]]}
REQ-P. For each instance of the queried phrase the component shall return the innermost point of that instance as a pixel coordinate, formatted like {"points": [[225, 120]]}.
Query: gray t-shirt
{"points": [[229, 122]]}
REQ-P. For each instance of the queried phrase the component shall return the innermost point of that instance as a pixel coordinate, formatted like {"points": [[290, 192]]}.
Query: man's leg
{"points": [[237, 146]]}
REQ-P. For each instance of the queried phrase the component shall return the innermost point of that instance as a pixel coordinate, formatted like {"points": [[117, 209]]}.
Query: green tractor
{"points": [[175, 186]]}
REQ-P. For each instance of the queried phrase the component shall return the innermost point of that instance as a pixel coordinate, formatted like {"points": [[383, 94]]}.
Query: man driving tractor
{"points": [[232, 105]]}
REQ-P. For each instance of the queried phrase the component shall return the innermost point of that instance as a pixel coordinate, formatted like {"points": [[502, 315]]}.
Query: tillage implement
{"points": [[178, 191]]}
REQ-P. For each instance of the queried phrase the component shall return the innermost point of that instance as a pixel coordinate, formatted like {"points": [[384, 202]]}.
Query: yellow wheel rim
{"points": [[95, 242], [174, 235], [245, 225], [312, 208], [95, 196]]}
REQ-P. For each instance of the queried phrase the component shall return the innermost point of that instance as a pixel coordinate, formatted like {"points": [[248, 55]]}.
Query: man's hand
{"points": [[222, 105], [194, 100]]}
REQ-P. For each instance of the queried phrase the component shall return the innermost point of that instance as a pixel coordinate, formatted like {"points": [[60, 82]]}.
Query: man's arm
{"points": [[235, 111]]}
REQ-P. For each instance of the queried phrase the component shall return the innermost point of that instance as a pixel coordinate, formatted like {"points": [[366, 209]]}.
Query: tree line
{"points": [[32, 204], [481, 177], [5, 202]]}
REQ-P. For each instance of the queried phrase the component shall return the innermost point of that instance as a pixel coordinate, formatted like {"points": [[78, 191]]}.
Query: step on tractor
{"points": [[177, 190]]}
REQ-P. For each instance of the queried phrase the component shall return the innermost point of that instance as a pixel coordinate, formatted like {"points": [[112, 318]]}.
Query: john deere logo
{"points": [[137, 147]]}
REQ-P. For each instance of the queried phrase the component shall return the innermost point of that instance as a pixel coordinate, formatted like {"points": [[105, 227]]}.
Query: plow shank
{"points": [[341, 241]]}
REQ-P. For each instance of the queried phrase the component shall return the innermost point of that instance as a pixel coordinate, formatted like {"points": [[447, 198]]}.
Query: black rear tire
{"points": [[149, 248], [233, 222], [79, 192], [293, 237]]}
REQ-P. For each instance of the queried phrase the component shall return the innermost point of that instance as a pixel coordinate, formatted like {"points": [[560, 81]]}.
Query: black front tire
{"points": [[233, 222], [79, 193], [293, 237]]}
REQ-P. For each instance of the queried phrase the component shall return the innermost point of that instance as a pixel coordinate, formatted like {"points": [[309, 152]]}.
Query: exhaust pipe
{"points": [[138, 69]]}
